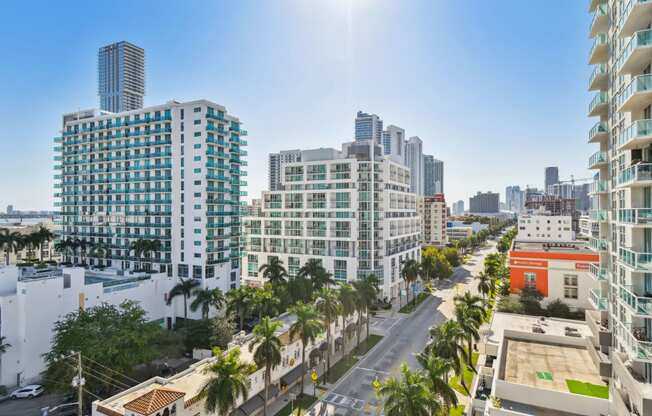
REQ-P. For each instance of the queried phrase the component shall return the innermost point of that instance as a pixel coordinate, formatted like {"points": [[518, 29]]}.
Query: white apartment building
{"points": [[334, 208], [622, 195], [178, 395], [274, 166], [545, 228], [32, 300], [170, 173], [414, 161], [432, 213]]}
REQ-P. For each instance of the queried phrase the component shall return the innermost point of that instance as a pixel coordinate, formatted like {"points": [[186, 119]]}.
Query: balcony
{"points": [[599, 187], [635, 15], [636, 95], [635, 216], [638, 134], [599, 105], [598, 132], [600, 50], [636, 54], [634, 259], [597, 272], [600, 21], [635, 340], [597, 299], [598, 324], [598, 159], [637, 391], [598, 244], [599, 78], [639, 305], [637, 175]]}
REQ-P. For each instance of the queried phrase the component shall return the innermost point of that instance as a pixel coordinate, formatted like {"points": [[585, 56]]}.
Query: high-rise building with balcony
{"points": [[433, 214], [433, 176], [368, 127], [484, 203], [622, 199], [394, 143], [351, 209], [169, 173], [552, 177], [274, 166], [121, 77], [414, 161]]}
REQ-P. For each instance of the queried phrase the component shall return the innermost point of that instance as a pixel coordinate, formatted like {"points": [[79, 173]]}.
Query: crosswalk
{"points": [[353, 405]]}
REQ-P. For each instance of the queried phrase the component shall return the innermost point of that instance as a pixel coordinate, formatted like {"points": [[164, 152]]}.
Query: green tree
{"points": [[184, 288], [299, 289], [367, 289], [306, 327], [437, 370], [239, 302], [118, 337], [452, 256], [4, 346], [448, 343], [266, 347], [558, 309], [530, 299], [10, 242], [229, 380], [329, 306], [265, 301], [469, 315], [322, 279], [205, 298], [484, 284], [274, 271], [408, 395], [348, 297], [222, 331], [144, 248], [45, 236], [410, 271]]}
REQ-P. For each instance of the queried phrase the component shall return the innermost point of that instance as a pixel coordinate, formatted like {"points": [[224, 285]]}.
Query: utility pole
{"points": [[80, 386]]}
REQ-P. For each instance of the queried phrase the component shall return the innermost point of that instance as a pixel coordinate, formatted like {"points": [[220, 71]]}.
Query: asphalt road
{"points": [[404, 337]]}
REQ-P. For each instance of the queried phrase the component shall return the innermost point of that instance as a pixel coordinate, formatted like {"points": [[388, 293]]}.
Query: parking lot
{"points": [[29, 407]]}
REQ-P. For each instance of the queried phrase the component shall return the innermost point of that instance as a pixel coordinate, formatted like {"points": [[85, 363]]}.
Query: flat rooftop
{"points": [[548, 366], [553, 247], [502, 321]]}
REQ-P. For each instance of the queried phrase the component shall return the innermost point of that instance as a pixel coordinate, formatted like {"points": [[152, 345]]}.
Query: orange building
{"points": [[558, 270]]}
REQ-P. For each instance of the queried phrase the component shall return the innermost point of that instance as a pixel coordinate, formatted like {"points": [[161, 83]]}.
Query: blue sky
{"points": [[495, 89]]}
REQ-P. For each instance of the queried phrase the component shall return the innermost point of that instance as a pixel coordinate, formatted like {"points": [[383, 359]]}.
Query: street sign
{"points": [[376, 384], [313, 376]]}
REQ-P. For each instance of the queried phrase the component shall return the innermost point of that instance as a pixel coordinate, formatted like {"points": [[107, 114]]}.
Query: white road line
{"points": [[392, 325], [372, 370]]}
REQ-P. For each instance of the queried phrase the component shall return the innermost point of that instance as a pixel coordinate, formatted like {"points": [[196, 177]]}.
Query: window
{"points": [[196, 109], [66, 281], [340, 270], [197, 134], [183, 270], [570, 286], [196, 272], [530, 280], [198, 121]]}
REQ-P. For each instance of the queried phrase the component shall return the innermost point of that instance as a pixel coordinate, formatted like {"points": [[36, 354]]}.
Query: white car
{"points": [[30, 391]]}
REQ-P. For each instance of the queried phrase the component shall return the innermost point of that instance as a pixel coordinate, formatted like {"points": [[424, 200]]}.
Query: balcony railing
{"points": [[599, 49], [635, 259], [597, 159], [598, 77], [599, 130], [598, 272], [640, 84], [598, 244], [635, 340], [641, 216], [632, 17], [598, 215], [642, 38], [597, 187], [597, 299], [637, 173], [640, 129], [600, 19], [640, 305], [598, 103]]}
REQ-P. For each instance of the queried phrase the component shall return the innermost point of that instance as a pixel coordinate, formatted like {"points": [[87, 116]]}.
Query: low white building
{"points": [[531, 366], [545, 228], [32, 300]]}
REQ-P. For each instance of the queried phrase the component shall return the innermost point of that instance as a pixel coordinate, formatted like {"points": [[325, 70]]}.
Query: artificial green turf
{"points": [[367, 344], [457, 411], [410, 306], [468, 377], [587, 389], [341, 367]]}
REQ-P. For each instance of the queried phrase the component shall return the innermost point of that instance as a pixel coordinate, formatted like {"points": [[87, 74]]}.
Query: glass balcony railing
{"points": [[599, 71], [628, 16], [597, 299], [598, 273], [600, 17], [641, 305], [638, 172], [635, 259], [600, 43], [599, 128], [597, 187], [599, 100], [640, 84], [635, 339], [598, 158], [598, 215], [641, 38], [641, 216], [636, 130], [598, 244]]}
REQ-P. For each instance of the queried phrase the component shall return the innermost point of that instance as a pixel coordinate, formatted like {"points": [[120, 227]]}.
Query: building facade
{"points": [[274, 166], [622, 197], [458, 207], [368, 127], [433, 176], [482, 203], [433, 214], [121, 77], [170, 173], [414, 161], [514, 199], [551, 177], [545, 228], [333, 208], [394, 143]]}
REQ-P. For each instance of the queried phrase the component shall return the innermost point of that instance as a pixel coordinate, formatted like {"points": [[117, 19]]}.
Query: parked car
{"points": [[30, 391]]}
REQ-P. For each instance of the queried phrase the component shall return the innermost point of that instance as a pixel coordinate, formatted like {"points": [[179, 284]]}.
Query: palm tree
{"points": [[408, 395], [469, 315], [143, 248], [307, 327], [274, 271], [10, 241], [448, 340], [4, 346], [484, 284], [65, 247], [100, 251], [428, 267], [83, 246], [322, 279], [437, 370], [229, 380], [32, 241], [310, 269], [265, 301], [329, 306], [205, 298], [410, 270], [367, 288], [348, 297], [239, 302], [183, 288], [46, 236], [267, 350]]}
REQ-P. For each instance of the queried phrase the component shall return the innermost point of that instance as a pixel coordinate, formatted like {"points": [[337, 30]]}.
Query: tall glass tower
{"points": [[121, 77]]}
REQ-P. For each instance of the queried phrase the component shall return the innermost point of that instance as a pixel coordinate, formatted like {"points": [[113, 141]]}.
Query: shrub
{"points": [[510, 304], [558, 309]]}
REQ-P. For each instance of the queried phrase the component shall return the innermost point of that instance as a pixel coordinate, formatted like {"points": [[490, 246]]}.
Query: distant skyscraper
{"points": [[433, 176], [368, 126], [514, 198], [394, 143], [458, 207], [414, 161], [484, 203], [552, 177], [275, 162], [10, 209], [121, 77]]}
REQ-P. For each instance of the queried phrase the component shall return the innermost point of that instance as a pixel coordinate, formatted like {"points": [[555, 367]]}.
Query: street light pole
{"points": [[80, 385]]}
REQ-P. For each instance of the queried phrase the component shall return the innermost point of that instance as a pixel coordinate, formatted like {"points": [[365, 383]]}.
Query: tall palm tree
{"points": [[410, 271], [367, 288], [100, 251], [266, 347], [310, 269], [348, 297], [428, 267], [408, 395], [484, 284], [469, 315], [239, 302], [183, 288], [4, 346], [274, 271], [82, 245], [448, 343], [65, 247], [10, 241], [437, 370], [33, 242], [205, 298], [265, 301], [46, 236], [329, 306], [307, 327], [144, 248], [229, 380], [322, 279]]}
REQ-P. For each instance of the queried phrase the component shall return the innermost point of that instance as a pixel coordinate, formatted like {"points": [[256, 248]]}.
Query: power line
{"points": [[112, 370], [97, 373], [103, 380]]}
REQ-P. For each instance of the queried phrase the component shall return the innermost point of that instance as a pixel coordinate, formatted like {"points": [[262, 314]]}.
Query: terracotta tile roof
{"points": [[154, 400], [107, 411]]}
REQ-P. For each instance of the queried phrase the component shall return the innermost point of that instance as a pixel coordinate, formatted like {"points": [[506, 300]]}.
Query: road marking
{"points": [[392, 325], [375, 371]]}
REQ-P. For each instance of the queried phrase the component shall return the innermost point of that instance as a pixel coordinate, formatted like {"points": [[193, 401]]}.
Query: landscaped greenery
{"points": [[411, 307], [367, 344], [587, 389], [456, 411], [302, 402], [341, 367], [468, 377]]}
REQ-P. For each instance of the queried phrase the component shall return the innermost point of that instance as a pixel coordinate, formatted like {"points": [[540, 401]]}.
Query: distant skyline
{"points": [[493, 89]]}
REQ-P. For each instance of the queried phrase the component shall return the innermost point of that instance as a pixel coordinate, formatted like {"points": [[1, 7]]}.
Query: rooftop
{"points": [[553, 247], [502, 321]]}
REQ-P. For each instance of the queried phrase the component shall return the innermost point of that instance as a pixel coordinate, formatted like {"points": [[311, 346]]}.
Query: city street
{"points": [[404, 337]]}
